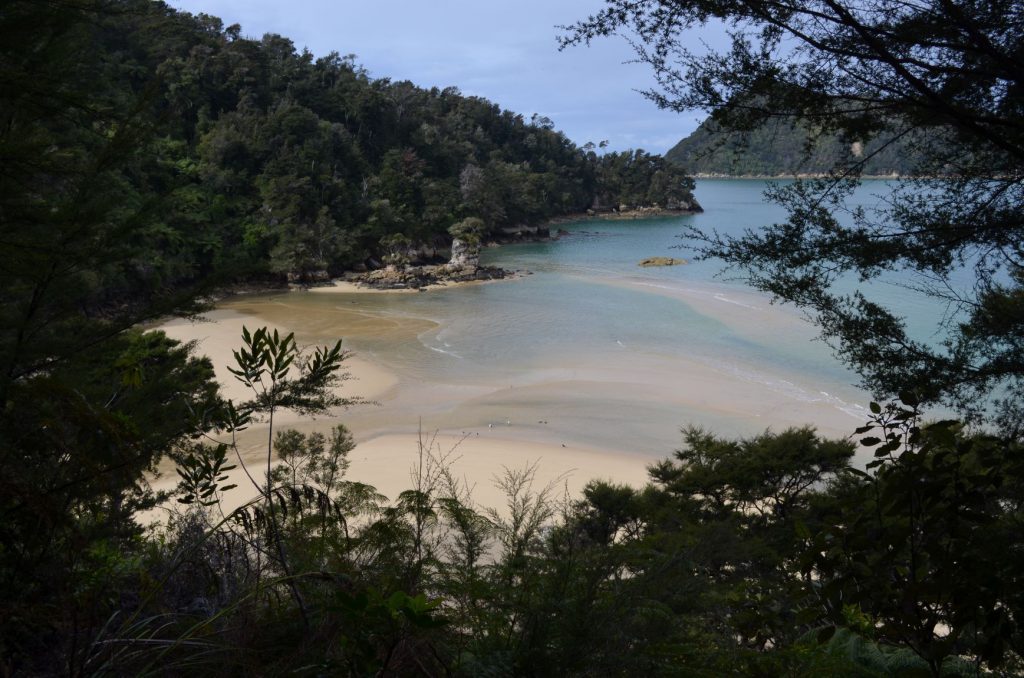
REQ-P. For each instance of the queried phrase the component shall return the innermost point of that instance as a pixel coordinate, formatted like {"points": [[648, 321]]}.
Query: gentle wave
{"points": [[717, 296], [721, 297], [441, 350], [791, 390], [431, 338]]}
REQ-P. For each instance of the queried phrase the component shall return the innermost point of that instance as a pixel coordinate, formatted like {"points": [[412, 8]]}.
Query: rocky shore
{"points": [[463, 266], [464, 263], [423, 277], [626, 212], [640, 213]]}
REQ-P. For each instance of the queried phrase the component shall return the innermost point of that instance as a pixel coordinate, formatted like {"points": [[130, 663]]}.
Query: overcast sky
{"points": [[504, 51]]}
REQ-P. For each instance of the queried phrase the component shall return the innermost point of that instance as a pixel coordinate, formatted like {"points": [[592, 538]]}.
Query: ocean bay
{"points": [[428, 361], [587, 352]]}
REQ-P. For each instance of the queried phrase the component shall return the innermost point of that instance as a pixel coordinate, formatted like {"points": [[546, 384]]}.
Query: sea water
{"points": [[611, 354]]}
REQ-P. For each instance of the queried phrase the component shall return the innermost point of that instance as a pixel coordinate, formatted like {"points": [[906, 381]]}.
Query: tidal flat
{"points": [[589, 366]]}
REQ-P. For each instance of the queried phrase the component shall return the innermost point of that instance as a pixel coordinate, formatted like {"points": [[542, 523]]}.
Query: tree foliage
{"points": [[770, 555], [146, 151], [923, 543], [945, 78], [146, 157], [161, 147]]}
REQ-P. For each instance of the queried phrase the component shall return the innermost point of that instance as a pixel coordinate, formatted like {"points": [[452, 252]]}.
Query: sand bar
{"points": [[604, 413], [383, 457]]}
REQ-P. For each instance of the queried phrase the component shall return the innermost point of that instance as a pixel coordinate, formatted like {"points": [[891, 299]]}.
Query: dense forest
{"points": [[148, 156], [781, 147], [269, 160]]}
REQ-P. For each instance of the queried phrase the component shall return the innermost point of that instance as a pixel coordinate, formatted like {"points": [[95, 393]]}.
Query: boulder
{"points": [[419, 277], [661, 261]]}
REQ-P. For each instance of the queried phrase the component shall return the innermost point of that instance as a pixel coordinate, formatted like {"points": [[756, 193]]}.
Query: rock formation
{"points": [[661, 261], [464, 256]]}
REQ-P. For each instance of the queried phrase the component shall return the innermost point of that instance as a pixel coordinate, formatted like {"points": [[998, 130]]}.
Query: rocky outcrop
{"points": [[661, 261], [603, 205], [419, 277], [464, 256], [419, 255], [679, 205], [674, 207], [646, 212]]}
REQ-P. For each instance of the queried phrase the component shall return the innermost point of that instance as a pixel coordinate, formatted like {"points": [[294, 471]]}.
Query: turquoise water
{"points": [[607, 353], [601, 249]]}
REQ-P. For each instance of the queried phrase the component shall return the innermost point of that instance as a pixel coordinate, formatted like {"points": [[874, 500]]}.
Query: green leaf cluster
{"points": [[939, 87]]}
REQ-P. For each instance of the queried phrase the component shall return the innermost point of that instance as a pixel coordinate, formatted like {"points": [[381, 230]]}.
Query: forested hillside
{"points": [[781, 148], [265, 158]]}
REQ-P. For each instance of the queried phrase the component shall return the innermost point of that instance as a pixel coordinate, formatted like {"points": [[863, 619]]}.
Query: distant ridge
{"points": [[783, 149]]}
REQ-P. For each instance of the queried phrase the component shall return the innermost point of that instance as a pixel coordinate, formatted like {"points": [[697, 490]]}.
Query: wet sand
{"points": [[385, 455], [596, 416]]}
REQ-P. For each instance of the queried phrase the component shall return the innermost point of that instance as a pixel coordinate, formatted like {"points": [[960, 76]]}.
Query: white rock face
{"points": [[464, 256]]}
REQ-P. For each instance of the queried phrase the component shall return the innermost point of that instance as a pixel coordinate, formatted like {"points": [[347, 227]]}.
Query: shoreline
{"points": [[427, 277], [615, 215], [386, 451], [347, 282], [772, 177], [611, 414], [599, 416], [220, 330], [343, 286], [387, 442]]}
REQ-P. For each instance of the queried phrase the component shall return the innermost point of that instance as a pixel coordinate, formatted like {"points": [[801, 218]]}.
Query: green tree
{"points": [[741, 503], [470, 231], [698, 573], [75, 445], [946, 77], [91, 246], [145, 155], [927, 543]]}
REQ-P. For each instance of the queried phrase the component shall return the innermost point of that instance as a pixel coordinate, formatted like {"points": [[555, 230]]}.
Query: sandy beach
{"points": [[576, 417], [386, 461], [220, 332]]}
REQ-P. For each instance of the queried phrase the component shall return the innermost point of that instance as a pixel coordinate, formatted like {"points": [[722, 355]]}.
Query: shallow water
{"points": [[591, 348]]}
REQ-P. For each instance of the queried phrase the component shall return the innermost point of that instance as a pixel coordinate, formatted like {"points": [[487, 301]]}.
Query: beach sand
{"points": [[220, 332], [595, 416], [386, 460], [476, 459], [480, 457]]}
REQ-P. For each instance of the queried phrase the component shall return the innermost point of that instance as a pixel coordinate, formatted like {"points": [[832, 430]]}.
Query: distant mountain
{"points": [[781, 149]]}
